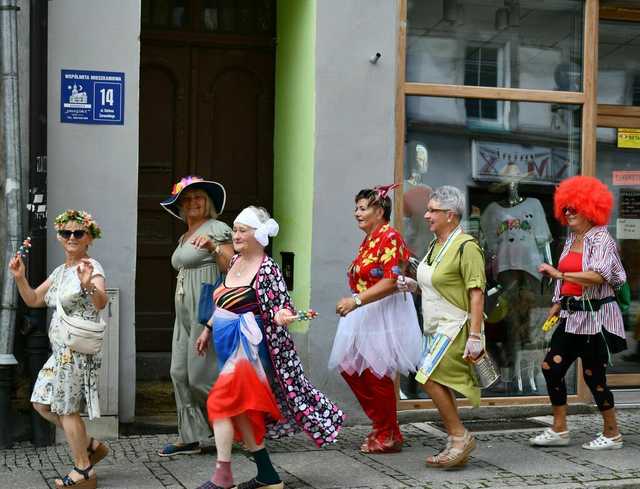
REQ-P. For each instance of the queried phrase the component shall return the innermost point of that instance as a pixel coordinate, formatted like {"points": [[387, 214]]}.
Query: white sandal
{"points": [[550, 438], [602, 442]]}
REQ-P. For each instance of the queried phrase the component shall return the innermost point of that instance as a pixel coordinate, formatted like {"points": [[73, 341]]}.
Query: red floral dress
{"points": [[379, 256]]}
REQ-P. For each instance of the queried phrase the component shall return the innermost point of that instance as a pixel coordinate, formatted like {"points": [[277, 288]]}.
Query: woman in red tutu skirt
{"points": [[261, 389]]}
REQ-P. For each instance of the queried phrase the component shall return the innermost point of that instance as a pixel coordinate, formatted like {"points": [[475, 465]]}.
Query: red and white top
{"points": [[599, 254]]}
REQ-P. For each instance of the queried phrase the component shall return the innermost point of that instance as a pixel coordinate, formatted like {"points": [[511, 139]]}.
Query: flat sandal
{"points": [[89, 481]]}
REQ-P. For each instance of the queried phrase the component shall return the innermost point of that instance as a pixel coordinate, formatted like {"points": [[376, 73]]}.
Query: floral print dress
{"points": [[68, 381]]}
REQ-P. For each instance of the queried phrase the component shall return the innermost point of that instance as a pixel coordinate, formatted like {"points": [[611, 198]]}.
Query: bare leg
{"points": [[560, 418], [444, 400], [44, 410], [244, 425], [76, 433], [610, 428]]}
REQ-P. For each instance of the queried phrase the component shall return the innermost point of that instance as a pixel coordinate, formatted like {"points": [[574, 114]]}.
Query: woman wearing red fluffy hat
{"points": [[590, 321]]}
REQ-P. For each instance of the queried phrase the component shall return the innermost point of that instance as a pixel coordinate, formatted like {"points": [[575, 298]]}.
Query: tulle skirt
{"points": [[383, 336]]}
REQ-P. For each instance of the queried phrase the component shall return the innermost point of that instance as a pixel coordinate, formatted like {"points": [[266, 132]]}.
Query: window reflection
{"points": [[613, 164], [508, 172], [618, 69], [496, 43]]}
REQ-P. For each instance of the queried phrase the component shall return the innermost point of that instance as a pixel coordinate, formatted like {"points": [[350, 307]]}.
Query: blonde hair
{"points": [[209, 209]]}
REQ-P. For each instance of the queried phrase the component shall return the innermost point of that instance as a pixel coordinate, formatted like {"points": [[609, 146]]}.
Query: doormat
{"points": [[481, 425]]}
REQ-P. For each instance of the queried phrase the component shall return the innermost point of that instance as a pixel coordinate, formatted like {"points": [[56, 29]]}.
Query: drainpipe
{"points": [[10, 158], [34, 329]]}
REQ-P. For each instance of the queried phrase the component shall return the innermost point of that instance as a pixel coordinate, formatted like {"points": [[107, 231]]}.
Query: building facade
{"points": [[298, 104]]}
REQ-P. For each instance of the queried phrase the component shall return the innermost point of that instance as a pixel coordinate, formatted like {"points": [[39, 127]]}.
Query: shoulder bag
{"points": [[79, 334]]}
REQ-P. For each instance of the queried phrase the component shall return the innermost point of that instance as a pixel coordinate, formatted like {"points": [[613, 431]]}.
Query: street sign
{"points": [[91, 97]]}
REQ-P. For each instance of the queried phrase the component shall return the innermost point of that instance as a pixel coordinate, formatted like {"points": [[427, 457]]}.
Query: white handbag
{"points": [[79, 334]]}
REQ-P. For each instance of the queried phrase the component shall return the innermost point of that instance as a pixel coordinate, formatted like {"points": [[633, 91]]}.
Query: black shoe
{"points": [[255, 484]]}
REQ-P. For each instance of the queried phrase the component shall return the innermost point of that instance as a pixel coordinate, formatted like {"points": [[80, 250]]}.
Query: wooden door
{"points": [[206, 108], [234, 124], [164, 108]]}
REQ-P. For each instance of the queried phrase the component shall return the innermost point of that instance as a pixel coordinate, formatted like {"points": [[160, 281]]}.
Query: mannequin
{"points": [[518, 238], [415, 196]]}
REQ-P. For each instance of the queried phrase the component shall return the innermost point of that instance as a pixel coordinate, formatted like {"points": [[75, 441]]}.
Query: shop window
{"points": [[484, 67], [618, 77], [545, 36], [614, 164], [508, 179]]}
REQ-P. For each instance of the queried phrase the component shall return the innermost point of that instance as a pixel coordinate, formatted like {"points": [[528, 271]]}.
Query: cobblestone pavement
{"points": [[503, 459]]}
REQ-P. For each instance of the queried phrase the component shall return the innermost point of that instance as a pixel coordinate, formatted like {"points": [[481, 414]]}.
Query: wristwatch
{"points": [[357, 300]]}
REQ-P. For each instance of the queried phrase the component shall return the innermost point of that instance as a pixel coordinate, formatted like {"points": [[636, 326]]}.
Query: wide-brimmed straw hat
{"points": [[214, 190]]}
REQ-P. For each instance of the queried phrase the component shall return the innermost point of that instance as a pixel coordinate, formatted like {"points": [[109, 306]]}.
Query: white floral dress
{"points": [[68, 381]]}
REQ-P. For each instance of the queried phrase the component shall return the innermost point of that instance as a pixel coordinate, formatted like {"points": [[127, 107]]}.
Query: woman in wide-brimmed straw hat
{"points": [[203, 252]]}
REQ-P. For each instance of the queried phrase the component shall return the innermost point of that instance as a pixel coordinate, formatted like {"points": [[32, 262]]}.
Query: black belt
{"points": [[573, 304]]}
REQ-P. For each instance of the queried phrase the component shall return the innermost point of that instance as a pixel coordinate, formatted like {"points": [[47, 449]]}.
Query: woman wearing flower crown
{"points": [[67, 383], [203, 252], [378, 335]]}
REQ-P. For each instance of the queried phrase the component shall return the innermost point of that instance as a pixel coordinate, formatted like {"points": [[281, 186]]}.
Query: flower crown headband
{"points": [[188, 180], [81, 217]]}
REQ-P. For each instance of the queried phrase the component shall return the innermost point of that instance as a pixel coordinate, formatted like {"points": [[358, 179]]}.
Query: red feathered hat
{"points": [[587, 195]]}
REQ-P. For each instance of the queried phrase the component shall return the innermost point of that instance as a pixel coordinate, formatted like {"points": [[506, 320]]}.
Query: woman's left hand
{"points": [[284, 317], [549, 271], [202, 343], [203, 242], [345, 306], [85, 273]]}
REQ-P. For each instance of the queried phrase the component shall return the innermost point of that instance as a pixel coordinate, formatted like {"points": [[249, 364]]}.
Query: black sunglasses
{"points": [[66, 234], [571, 211]]}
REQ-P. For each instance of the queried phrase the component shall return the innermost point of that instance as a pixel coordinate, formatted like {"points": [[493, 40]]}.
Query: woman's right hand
{"points": [[406, 284], [16, 267], [202, 343], [554, 310]]}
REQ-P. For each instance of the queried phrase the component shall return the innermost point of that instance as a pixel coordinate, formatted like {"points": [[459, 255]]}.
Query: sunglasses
{"points": [[66, 234], [569, 211]]}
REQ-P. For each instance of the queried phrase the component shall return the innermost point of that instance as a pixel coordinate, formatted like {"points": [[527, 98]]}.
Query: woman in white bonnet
{"points": [[261, 389]]}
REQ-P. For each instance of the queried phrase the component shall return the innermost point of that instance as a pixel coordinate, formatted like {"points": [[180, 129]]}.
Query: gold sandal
{"points": [[454, 456]]}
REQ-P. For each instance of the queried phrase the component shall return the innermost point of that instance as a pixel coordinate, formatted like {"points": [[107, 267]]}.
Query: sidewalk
{"points": [[503, 459]]}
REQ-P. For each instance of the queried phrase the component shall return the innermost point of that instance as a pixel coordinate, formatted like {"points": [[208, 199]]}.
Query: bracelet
{"points": [[475, 335], [208, 327], [85, 292]]}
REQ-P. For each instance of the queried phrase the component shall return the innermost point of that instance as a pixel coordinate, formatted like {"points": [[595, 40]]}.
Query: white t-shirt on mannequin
{"points": [[516, 235]]}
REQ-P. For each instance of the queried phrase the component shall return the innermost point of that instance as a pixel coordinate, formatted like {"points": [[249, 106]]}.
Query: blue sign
{"points": [[91, 97]]}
